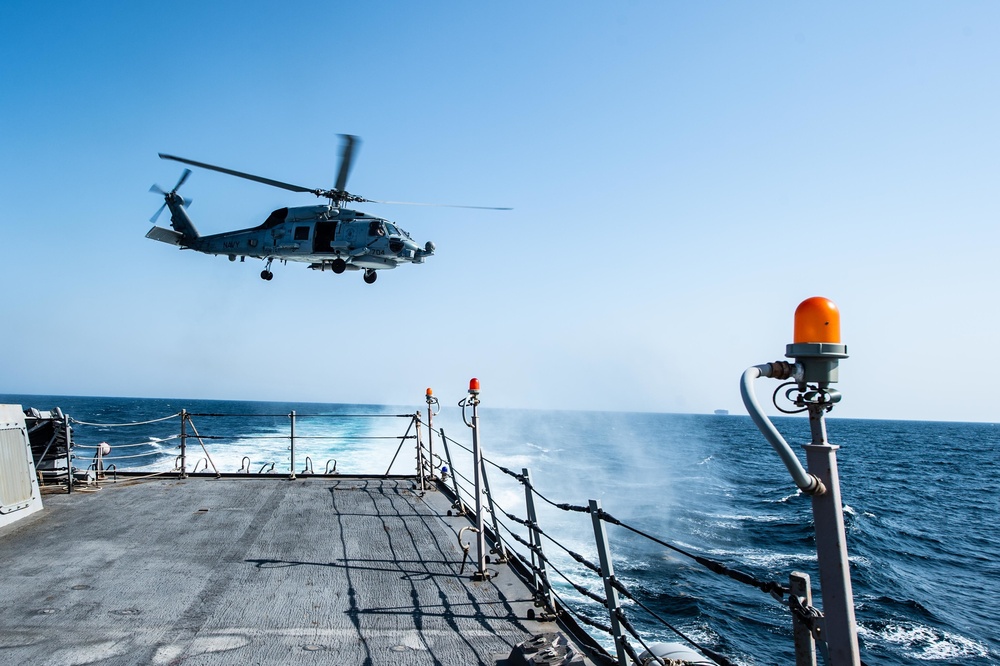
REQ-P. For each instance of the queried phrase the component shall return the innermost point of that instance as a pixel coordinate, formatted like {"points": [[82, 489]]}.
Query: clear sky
{"points": [[682, 175]]}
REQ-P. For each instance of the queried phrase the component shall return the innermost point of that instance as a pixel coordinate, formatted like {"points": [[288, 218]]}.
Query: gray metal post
{"points": [[535, 539], [477, 462], [184, 418], [69, 456], [291, 418], [608, 574], [805, 645], [420, 454], [831, 546], [499, 550], [454, 478], [430, 430]]}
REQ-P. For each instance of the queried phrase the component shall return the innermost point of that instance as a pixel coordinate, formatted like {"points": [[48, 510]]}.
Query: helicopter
{"points": [[327, 237]]}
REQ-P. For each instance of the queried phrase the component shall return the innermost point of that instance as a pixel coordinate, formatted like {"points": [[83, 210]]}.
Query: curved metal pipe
{"points": [[806, 482]]}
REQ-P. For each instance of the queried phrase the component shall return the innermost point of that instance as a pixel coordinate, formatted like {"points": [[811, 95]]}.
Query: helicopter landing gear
{"points": [[370, 276], [266, 274], [338, 265]]}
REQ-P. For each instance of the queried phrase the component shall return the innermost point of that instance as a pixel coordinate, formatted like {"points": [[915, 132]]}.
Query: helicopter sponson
{"points": [[327, 237]]}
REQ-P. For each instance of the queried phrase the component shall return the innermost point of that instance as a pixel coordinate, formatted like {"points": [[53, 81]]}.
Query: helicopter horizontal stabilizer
{"points": [[165, 235]]}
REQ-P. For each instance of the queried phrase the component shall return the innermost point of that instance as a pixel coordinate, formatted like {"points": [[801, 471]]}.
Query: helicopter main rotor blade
{"points": [[240, 174], [438, 205], [346, 154]]}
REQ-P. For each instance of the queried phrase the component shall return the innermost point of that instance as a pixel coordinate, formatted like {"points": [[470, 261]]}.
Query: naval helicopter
{"points": [[327, 237]]}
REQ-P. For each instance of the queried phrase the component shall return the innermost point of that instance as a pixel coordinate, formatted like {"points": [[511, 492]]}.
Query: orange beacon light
{"points": [[817, 319], [817, 347]]}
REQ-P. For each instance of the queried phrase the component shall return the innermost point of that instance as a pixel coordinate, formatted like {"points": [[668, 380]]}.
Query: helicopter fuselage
{"points": [[325, 237]]}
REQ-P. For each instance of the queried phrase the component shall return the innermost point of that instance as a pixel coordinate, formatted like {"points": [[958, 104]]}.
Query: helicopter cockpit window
{"points": [[275, 218], [376, 228], [391, 230], [301, 233]]}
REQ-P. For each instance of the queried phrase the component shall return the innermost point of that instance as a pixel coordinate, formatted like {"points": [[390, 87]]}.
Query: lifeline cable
{"points": [[126, 446], [773, 588], [120, 425]]}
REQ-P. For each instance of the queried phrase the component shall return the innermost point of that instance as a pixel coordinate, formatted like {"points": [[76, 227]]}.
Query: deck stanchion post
{"points": [[805, 644], [477, 463], [431, 401], [831, 546], [454, 479], [184, 419], [608, 575], [68, 431], [291, 420], [420, 454], [535, 539], [498, 549]]}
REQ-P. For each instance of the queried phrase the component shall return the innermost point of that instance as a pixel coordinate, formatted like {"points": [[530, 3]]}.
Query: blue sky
{"points": [[682, 176]]}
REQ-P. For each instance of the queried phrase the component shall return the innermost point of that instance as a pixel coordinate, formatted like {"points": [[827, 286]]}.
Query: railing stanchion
{"points": [[291, 419], [805, 645], [477, 462], [498, 548], [535, 539], [68, 430], [420, 454], [608, 574], [431, 401], [460, 505], [184, 419]]}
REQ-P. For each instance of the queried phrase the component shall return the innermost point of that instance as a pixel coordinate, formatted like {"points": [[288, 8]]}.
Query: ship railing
{"points": [[171, 453], [522, 541]]}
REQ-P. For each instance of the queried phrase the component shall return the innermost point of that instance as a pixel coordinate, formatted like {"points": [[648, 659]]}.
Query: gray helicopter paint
{"points": [[294, 239]]}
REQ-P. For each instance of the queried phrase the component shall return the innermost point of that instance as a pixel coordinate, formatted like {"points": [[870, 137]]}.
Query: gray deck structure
{"points": [[253, 571]]}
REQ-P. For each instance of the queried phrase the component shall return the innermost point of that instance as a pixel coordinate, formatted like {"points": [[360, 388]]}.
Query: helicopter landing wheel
{"points": [[370, 276], [338, 266], [266, 274]]}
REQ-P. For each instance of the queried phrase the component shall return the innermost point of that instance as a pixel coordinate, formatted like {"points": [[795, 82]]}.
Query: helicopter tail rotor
{"points": [[156, 189], [179, 219], [156, 215]]}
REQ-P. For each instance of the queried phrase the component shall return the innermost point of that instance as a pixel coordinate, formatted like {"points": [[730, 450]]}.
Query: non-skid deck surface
{"points": [[199, 571]]}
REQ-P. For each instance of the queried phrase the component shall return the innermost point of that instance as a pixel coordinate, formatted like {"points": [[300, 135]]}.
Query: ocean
{"points": [[920, 506]]}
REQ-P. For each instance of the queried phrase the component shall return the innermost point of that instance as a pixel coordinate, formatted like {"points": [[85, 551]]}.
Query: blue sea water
{"points": [[920, 506]]}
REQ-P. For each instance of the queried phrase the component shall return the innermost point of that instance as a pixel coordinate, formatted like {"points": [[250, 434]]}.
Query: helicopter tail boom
{"points": [[180, 221], [184, 231]]}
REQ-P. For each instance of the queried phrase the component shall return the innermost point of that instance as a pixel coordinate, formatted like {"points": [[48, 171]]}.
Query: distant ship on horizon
{"points": [[722, 412]]}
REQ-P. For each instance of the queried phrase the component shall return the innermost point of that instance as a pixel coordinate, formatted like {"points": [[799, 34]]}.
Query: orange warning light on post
{"points": [[473, 385], [429, 392], [817, 319]]}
